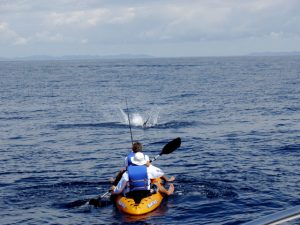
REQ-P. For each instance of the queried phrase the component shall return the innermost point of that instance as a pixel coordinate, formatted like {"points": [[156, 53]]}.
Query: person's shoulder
{"points": [[154, 169]]}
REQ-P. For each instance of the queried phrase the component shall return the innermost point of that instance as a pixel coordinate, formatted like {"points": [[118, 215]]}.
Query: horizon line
{"points": [[43, 57]]}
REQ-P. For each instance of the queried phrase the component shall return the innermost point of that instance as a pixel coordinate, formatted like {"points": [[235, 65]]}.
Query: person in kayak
{"points": [[135, 182], [136, 147]]}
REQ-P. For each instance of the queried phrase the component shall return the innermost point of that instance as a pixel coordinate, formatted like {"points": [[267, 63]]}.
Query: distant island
{"points": [[125, 56], [274, 54], [75, 57]]}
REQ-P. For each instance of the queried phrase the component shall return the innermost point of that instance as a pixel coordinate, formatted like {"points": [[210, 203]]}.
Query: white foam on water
{"points": [[124, 116], [136, 119]]}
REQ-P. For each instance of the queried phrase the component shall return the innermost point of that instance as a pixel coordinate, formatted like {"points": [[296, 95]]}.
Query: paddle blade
{"points": [[75, 204], [95, 202], [171, 146], [100, 202]]}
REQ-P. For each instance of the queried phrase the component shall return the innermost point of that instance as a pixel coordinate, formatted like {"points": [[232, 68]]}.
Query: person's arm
{"points": [[171, 179], [147, 158], [121, 185], [154, 172], [148, 163], [163, 190], [118, 177], [126, 162]]}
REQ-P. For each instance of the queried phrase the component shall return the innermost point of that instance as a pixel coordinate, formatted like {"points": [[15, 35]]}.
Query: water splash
{"points": [[152, 119], [138, 119]]}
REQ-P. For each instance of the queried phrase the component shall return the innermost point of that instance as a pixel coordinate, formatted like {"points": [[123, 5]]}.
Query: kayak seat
{"points": [[137, 196]]}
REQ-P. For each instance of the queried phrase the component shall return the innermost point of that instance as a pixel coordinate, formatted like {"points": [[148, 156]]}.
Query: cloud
{"points": [[91, 17], [175, 21], [182, 22], [276, 34], [96, 24], [83, 18], [221, 20], [46, 36], [9, 36], [13, 6]]}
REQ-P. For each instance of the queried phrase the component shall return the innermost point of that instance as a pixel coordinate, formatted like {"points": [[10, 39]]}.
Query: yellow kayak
{"points": [[146, 205]]}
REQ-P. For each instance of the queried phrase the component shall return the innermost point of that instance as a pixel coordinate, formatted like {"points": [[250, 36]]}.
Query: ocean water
{"points": [[64, 133]]}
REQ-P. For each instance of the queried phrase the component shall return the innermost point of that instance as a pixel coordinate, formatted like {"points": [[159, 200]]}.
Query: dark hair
{"points": [[137, 147]]}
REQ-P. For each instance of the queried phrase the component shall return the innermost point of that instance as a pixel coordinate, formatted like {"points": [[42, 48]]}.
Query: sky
{"points": [[170, 28]]}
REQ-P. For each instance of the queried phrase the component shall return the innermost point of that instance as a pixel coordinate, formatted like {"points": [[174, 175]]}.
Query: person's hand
{"points": [[171, 189], [112, 188], [171, 179]]}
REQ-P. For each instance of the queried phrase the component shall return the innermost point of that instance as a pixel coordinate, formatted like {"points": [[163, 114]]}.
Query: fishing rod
{"points": [[129, 122]]}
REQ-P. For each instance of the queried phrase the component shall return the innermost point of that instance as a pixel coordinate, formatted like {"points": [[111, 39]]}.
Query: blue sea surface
{"points": [[64, 134]]}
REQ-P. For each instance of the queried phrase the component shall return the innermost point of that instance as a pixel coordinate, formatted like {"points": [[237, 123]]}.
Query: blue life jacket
{"points": [[129, 158], [138, 178]]}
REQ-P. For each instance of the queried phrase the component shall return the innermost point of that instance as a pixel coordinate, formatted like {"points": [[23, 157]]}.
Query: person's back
{"points": [[139, 182], [138, 177]]}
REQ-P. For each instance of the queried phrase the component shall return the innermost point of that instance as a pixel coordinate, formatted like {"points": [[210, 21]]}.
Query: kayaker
{"points": [[136, 147], [136, 180]]}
